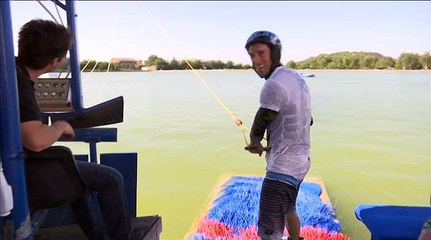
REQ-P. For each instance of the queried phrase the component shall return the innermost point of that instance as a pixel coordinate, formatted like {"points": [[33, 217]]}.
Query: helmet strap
{"points": [[275, 60], [273, 67]]}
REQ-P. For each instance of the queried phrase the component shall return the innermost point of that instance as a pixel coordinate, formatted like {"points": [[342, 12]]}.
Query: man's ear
{"points": [[56, 63], [53, 63]]}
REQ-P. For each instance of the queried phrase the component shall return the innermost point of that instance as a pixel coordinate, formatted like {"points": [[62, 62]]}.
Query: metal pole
{"points": [[11, 150], [77, 99]]}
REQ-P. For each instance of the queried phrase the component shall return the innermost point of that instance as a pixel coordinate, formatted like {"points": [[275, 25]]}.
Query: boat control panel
{"points": [[52, 94]]}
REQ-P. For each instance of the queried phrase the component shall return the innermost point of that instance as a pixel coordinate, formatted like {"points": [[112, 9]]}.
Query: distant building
{"points": [[149, 68], [128, 63]]}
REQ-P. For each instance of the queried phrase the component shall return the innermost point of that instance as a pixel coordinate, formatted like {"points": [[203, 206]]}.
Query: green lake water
{"points": [[370, 138]]}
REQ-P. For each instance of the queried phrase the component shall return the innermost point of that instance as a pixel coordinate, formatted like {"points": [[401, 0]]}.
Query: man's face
{"points": [[260, 55]]}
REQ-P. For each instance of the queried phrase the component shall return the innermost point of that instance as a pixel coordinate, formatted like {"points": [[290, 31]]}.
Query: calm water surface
{"points": [[370, 140]]}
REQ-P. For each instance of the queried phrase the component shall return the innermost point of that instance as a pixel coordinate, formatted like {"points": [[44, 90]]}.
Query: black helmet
{"points": [[268, 38], [264, 37]]}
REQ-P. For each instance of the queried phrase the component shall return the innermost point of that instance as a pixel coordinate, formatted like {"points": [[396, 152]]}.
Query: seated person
{"points": [[42, 48]]}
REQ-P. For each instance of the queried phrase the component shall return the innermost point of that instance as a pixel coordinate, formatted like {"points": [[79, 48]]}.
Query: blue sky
{"points": [[218, 30]]}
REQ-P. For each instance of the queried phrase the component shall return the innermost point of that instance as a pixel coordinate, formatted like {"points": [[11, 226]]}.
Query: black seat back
{"points": [[52, 178]]}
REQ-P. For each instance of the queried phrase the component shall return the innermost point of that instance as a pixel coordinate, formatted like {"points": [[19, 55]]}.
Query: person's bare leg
{"points": [[293, 225]]}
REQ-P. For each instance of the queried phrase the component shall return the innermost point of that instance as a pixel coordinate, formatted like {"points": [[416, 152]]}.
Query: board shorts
{"points": [[277, 200]]}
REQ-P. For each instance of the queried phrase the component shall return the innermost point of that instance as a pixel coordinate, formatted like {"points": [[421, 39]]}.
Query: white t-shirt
{"points": [[288, 133]]}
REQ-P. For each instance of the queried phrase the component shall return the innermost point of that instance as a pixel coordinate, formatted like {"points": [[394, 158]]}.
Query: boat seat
{"points": [[52, 180], [52, 94], [387, 222]]}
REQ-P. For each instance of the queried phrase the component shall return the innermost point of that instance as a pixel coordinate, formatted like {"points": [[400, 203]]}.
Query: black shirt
{"points": [[28, 107]]}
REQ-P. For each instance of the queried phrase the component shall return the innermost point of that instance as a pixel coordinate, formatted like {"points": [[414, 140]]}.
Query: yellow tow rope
{"points": [[237, 121]]}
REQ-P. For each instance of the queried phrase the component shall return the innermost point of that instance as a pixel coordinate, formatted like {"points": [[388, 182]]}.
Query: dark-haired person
{"points": [[42, 48], [285, 114]]}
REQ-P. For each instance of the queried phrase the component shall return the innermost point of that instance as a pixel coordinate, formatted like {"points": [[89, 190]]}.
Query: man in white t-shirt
{"points": [[285, 113]]}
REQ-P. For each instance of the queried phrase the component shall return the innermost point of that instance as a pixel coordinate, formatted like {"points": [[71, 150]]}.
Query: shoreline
{"points": [[364, 70], [298, 70]]}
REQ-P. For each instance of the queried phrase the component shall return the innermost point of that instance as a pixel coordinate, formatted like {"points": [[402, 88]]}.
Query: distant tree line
{"points": [[364, 60], [340, 60], [174, 64]]}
